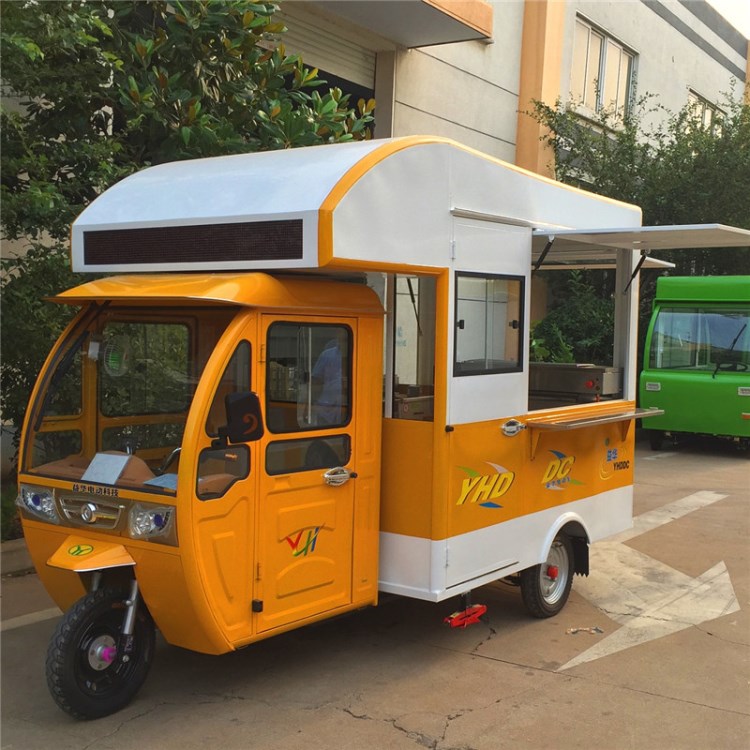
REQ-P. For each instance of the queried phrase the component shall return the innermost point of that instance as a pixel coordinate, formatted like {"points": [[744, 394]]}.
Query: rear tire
{"points": [[86, 675], [545, 588], [655, 439]]}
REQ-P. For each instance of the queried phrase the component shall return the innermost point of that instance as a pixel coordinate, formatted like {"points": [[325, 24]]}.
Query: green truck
{"points": [[697, 359]]}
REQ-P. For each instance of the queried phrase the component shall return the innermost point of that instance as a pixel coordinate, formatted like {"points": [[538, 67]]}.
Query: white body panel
{"points": [[437, 570]]}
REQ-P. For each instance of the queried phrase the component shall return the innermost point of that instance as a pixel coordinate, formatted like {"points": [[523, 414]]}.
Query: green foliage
{"points": [[29, 324], [96, 90], [108, 87], [580, 324], [10, 524], [548, 343], [677, 170]]}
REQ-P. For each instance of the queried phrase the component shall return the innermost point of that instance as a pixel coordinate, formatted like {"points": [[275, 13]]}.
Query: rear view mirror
{"points": [[244, 419]]}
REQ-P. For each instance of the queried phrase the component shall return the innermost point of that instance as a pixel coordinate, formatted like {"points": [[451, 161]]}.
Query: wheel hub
{"points": [[102, 652]]}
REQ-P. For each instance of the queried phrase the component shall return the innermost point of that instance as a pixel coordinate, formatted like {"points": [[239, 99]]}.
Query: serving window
{"points": [[489, 324]]}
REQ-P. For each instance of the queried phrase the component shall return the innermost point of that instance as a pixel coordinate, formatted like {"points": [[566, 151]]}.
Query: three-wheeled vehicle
{"points": [[697, 359], [310, 382]]}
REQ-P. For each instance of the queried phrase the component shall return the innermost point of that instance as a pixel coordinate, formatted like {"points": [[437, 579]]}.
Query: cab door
{"points": [[306, 477]]}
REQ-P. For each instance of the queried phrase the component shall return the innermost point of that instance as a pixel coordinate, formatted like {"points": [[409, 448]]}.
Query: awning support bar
{"points": [[544, 252], [644, 255]]}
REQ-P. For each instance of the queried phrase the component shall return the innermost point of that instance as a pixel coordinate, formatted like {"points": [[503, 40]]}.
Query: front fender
{"points": [[81, 555]]}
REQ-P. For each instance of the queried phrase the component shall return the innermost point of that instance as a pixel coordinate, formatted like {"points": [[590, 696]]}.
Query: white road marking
{"points": [[659, 455], [30, 619], [646, 597]]}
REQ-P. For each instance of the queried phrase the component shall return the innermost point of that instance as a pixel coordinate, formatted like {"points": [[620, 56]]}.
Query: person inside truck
{"points": [[326, 375]]}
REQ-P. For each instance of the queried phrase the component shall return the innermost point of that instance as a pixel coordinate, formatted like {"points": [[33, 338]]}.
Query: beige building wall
{"points": [[478, 91], [467, 91]]}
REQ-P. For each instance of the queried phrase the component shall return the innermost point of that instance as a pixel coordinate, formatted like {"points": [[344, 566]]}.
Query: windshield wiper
{"points": [[719, 362]]}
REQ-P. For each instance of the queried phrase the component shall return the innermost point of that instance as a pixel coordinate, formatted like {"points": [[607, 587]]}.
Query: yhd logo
{"points": [[485, 489]]}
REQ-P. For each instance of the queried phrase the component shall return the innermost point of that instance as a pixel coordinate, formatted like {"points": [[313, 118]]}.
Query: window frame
{"points": [[603, 68], [457, 372], [700, 106], [313, 440], [347, 408]]}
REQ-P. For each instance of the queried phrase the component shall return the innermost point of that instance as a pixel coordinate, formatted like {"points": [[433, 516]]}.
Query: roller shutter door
{"points": [[321, 47]]}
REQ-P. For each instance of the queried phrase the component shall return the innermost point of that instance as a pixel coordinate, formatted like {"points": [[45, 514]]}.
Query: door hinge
{"points": [[262, 353], [257, 572], [257, 605]]}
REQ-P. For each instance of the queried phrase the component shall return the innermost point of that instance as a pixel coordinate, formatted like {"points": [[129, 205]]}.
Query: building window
{"points": [[703, 113], [602, 72]]}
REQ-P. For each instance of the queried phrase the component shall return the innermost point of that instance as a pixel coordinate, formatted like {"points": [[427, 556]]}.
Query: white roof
{"points": [[360, 206]]}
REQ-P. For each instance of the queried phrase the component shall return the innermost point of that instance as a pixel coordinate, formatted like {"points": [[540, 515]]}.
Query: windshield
{"points": [[116, 400], [706, 338]]}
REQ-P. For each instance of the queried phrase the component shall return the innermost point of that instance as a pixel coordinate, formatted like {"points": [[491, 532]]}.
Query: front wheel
{"points": [[545, 588], [92, 669]]}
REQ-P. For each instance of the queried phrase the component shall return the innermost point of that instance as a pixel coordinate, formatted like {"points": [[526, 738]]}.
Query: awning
{"points": [[416, 23], [597, 248]]}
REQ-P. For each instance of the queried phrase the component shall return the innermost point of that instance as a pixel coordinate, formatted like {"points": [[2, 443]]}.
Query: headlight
{"points": [[39, 502], [148, 521]]}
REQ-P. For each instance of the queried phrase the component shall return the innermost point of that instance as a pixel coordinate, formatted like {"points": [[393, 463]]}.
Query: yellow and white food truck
{"points": [[308, 382]]}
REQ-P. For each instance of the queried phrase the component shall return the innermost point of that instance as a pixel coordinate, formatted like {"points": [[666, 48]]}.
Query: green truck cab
{"points": [[697, 359]]}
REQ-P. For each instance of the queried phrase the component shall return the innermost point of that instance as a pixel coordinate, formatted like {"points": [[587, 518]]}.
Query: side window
{"points": [[489, 321], [236, 378], [308, 377], [220, 468], [414, 348], [288, 456]]}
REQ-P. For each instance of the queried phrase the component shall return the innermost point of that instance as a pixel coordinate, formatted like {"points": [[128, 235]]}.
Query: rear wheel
{"points": [[91, 670], [655, 439], [545, 588]]}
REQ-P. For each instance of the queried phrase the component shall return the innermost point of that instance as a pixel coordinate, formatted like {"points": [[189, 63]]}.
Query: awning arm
{"points": [[644, 255], [543, 255]]}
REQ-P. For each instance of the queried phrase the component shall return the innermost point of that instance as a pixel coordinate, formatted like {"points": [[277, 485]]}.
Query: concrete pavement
{"points": [[666, 616]]}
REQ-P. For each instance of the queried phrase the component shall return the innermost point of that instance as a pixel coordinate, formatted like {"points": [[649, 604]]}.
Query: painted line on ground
{"points": [[30, 619], [646, 597]]}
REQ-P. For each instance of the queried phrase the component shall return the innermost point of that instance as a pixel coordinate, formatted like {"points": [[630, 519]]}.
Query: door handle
{"points": [[512, 427], [338, 476]]}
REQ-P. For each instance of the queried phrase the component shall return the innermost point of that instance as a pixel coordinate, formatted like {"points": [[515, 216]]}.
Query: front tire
{"points": [[545, 588], [86, 675]]}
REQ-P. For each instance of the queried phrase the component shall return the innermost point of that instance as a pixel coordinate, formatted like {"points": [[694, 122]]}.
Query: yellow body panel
{"points": [[408, 502], [489, 478], [258, 290]]}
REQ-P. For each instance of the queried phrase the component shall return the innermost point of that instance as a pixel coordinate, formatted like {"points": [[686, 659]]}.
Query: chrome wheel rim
{"points": [[553, 574]]}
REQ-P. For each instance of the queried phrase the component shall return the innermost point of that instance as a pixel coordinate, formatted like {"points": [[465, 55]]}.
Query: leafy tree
{"points": [[677, 171], [580, 321], [108, 87], [99, 89]]}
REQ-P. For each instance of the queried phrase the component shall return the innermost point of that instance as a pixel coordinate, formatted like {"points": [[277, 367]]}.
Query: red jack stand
{"points": [[469, 615]]}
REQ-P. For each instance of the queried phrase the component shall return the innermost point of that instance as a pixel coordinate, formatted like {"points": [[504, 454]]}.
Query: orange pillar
{"points": [[541, 62]]}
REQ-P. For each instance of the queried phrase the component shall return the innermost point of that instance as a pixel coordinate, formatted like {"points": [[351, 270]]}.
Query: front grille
{"points": [[91, 514]]}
